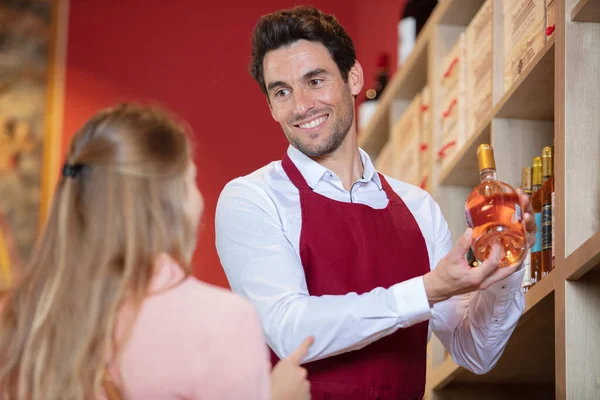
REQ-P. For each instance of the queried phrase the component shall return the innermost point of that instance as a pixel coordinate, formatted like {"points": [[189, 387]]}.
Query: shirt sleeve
{"points": [[475, 327], [262, 265]]}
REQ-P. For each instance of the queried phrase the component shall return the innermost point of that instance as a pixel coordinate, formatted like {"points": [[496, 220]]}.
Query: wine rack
{"points": [[554, 101]]}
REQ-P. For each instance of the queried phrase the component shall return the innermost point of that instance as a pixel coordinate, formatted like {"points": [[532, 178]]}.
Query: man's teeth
{"points": [[313, 123]]}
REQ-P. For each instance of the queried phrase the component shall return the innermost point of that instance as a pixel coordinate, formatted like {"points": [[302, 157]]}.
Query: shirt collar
{"points": [[313, 172]]}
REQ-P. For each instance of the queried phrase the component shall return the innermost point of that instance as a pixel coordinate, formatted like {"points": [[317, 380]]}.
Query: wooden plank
{"points": [[586, 11], [444, 374], [463, 170], [53, 135], [582, 137], [559, 209], [584, 259], [532, 95], [459, 12], [582, 320]]}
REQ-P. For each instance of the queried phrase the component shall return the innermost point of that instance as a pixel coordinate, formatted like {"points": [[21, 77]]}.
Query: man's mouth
{"points": [[314, 123]]}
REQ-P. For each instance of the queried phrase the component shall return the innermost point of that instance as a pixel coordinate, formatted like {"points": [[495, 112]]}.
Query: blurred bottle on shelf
{"points": [[373, 93], [413, 17], [536, 204], [547, 200]]}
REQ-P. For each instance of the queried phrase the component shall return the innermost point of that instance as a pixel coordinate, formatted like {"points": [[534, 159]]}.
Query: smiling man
{"points": [[324, 245]]}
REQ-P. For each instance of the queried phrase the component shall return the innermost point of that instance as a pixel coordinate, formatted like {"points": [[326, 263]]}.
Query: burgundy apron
{"points": [[347, 247]]}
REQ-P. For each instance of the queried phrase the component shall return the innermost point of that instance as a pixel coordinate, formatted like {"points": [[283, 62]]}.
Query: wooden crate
{"points": [[479, 67], [550, 18], [426, 139], [524, 35], [453, 100], [406, 134]]}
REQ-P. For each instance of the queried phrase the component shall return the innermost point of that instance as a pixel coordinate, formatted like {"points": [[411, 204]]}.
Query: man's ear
{"points": [[356, 78]]}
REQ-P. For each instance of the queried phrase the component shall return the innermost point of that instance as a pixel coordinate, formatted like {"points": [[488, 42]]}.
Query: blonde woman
{"points": [[107, 300]]}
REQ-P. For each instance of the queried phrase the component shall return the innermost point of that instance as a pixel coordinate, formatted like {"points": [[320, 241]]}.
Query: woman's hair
{"points": [[117, 207], [284, 27]]}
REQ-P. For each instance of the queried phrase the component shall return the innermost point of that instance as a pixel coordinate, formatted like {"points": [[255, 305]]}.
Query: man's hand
{"points": [[288, 378], [454, 276]]}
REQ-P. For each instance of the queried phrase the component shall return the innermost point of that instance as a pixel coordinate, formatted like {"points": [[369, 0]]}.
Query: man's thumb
{"points": [[463, 244]]}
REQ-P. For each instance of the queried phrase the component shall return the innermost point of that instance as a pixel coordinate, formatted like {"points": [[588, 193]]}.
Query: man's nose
{"points": [[303, 101]]}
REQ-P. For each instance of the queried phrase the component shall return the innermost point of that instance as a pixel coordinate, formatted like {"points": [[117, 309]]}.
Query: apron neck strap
{"points": [[294, 174]]}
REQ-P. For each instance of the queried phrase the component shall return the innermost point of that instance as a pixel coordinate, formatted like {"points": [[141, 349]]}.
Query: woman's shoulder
{"points": [[215, 299], [179, 298]]}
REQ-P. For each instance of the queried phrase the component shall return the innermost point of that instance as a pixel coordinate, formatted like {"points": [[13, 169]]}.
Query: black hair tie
{"points": [[71, 170]]}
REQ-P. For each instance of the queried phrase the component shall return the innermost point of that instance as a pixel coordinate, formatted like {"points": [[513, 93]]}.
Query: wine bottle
{"points": [[536, 204], [493, 211], [546, 197], [381, 78]]}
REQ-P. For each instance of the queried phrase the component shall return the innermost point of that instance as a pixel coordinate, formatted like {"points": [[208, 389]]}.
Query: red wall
{"points": [[191, 57]]}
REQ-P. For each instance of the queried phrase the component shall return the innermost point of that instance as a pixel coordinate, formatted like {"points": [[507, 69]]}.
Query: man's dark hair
{"points": [[284, 27]]}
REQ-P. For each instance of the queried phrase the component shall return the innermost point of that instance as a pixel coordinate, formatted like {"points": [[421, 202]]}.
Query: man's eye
{"points": [[281, 93], [315, 82]]}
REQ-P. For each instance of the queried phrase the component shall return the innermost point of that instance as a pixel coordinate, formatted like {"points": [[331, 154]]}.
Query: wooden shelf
{"points": [[405, 84], [586, 11], [532, 95], [584, 259], [459, 12], [412, 76], [533, 337], [462, 170]]}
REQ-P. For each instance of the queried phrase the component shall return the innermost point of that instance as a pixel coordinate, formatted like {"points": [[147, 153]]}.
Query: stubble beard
{"points": [[339, 131]]}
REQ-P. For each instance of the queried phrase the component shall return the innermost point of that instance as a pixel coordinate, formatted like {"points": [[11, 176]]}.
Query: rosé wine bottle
{"points": [[493, 211]]}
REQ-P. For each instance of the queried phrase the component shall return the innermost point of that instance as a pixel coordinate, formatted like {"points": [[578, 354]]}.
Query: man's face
{"points": [[309, 98]]}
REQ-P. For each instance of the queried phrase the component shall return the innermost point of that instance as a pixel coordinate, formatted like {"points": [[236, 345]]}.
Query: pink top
{"points": [[194, 341]]}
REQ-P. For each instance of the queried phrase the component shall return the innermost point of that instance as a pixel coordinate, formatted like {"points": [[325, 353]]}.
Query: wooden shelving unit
{"points": [[554, 102], [586, 11]]}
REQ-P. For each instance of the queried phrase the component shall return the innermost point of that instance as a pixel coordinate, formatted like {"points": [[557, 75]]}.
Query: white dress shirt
{"points": [[258, 226]]}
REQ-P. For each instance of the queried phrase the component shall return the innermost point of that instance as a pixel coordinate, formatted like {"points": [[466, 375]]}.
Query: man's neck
{"points": [[345, 162]]}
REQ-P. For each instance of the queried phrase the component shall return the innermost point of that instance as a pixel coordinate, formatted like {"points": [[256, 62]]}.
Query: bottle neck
{"points": [[488, 174]]}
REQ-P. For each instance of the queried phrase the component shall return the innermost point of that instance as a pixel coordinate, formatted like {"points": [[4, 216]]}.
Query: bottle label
{"points": [[518, 215], [547, 227], [527, 266], [538, 233]]}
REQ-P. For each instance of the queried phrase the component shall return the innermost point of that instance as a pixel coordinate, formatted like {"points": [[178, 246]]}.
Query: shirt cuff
{"points": [[508, 285], [411, 302]]}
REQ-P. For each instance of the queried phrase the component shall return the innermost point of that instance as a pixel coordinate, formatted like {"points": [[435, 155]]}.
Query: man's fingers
{"points": [[298, 355], [526, 206], [463, 244], [490, 265], [529, 222]]}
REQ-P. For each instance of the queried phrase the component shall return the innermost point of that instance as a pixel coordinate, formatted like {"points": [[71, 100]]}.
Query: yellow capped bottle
{"points": [[494, 212], [536, 204]]}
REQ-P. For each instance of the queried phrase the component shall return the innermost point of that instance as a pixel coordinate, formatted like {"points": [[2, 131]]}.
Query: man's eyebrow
{"points": [[315, 72], [307, 76], [275, 84]]}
